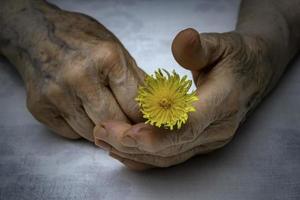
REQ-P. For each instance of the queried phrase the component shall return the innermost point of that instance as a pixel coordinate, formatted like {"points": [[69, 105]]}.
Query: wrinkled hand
{"points": [[232, 74], [89, 78]]}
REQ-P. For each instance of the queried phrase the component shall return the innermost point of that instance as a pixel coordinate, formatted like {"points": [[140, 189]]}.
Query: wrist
{"points": [[265, 71], [270, 51], [272, 25], [21, 35]]}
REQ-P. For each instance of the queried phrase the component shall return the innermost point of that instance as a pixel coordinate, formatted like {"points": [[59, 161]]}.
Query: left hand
{"points": [[77, 73], [232, 73]]}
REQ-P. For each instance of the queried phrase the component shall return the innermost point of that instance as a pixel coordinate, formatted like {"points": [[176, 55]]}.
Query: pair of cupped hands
{"points": [[94, 90]]}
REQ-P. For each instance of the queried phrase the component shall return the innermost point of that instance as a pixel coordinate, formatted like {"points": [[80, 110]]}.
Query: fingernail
{"points": [[129, 141]]}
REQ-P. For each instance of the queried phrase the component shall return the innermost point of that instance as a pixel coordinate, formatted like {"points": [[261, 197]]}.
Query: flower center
{"points": [[165, 103]]}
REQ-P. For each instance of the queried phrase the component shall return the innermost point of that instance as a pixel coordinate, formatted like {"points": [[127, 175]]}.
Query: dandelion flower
{"points": [[164, 99]]}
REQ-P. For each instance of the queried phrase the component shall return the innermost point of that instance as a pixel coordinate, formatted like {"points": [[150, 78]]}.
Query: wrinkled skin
{"points": [[82, 91], [76, 72], [231, 73]]}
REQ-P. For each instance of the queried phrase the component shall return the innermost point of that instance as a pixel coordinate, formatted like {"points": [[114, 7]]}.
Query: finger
{"points": [[214, 137], [113, 137], [196, 51], [72, 111], [156, 160], [135, 161], [97, 101], [117, 134], [146, 139], [100, 104], [124, 77], [138, 139], [53, 120], [60, 126], [141, 138], [80, 122], [133, 165], [161, 161], [127, 162]]}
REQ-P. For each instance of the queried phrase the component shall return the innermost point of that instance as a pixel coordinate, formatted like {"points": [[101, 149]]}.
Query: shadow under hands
{"points": [[9, 77]]}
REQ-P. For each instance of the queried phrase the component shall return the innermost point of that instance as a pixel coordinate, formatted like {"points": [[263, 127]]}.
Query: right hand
{"points": [[232, 73]]}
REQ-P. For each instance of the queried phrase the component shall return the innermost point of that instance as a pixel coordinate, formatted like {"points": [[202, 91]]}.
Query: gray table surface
{"points": [[261, 163]]}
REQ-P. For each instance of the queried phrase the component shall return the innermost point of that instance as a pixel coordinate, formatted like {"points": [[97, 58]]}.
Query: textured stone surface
{"points": [[262, 162]]}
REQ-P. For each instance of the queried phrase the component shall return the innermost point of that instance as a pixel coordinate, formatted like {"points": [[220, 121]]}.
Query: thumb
{"points": [[196, 51], [124, 78]]}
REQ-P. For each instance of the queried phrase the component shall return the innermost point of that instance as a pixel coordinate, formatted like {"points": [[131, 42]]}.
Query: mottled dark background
{"points": [[261, 163]]}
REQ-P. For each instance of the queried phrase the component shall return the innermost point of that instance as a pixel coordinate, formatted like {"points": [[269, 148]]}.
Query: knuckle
{"points": [[113, 60], [52, 90], [111, 52], [147, 142]]}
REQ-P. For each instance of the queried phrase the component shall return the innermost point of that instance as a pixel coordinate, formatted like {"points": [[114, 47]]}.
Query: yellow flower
{"points": [[164, 100]]}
